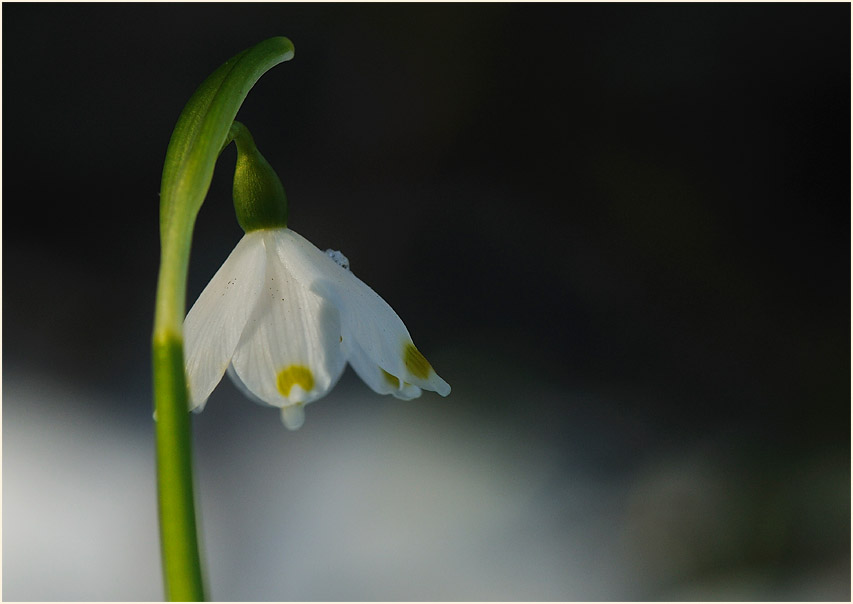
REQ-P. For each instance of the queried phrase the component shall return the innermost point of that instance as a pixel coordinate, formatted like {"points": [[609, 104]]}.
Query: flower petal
{"points": [[290, 352], [235, 379], [293, 416], [364, 315], [213, 326], [377, 378]]}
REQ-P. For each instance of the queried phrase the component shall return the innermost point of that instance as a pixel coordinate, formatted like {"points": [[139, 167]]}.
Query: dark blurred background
{"points": [[620, 231]]}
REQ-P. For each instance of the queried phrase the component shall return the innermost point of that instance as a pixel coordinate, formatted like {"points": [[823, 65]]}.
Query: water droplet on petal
{"points": [[339, 258]]}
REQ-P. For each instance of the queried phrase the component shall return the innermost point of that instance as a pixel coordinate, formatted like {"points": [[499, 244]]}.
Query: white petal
{"points": [[290, 351], [213, 326], [377, 378], [235, 379], [364, 316], [293, 416]]}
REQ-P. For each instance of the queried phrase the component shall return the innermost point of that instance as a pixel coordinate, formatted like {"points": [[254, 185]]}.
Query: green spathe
{"points": [[201, 132], [259, 198]]}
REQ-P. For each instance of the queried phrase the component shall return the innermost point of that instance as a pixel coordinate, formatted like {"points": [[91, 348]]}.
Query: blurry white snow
{"points": [[380, 499], [79, 506], [372, 499]]}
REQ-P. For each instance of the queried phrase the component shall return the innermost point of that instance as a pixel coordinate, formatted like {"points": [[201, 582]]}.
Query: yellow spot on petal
{"points": [[394, 381], [415, 362], [294, 375]]}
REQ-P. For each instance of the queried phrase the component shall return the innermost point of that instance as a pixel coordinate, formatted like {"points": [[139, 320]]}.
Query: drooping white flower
{"points": [[284, 318]]}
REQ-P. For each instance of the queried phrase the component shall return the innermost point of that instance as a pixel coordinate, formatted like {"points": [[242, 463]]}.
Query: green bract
{"points": [[198, 137]]}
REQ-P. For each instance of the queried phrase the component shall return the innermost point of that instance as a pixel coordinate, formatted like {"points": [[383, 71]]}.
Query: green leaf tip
{"points": [[285, 45], [203, 127]]}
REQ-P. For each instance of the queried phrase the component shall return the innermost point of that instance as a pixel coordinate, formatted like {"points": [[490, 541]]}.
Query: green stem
{"points": [[199, 136]]}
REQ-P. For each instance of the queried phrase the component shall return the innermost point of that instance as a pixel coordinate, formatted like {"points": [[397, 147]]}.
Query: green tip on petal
{"points": [[294, 375], [390, 379], [415, 362]]}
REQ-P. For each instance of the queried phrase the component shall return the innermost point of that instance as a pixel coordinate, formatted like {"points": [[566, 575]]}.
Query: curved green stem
{"points": [[196, 142]]}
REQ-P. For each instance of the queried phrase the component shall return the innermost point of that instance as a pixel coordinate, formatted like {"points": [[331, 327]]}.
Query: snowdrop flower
{"points": [[284, 318]]}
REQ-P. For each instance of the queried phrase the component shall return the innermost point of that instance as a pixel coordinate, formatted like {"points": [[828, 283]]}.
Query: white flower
{"points": [[284, 318]]}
